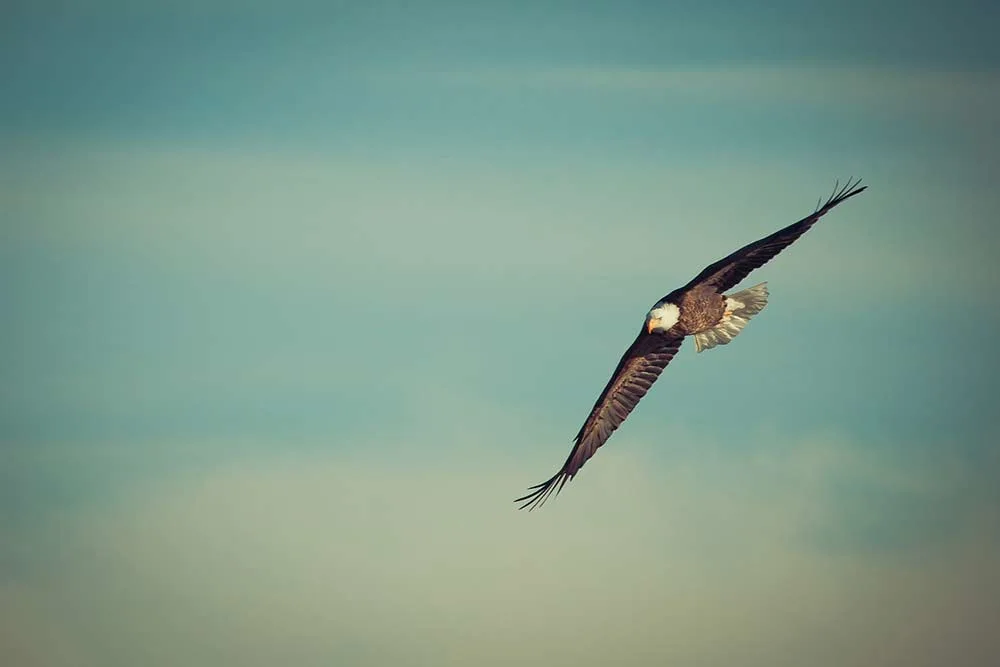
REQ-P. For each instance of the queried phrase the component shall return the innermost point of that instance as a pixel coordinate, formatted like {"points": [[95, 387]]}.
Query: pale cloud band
{"points": [[713, 559], [882, 90]]}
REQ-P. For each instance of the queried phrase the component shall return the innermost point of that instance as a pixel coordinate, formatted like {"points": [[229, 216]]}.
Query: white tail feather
{"points": [[740, 307]]}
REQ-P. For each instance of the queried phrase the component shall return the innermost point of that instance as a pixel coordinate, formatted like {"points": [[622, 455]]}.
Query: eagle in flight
{"points": [[700, 309]]}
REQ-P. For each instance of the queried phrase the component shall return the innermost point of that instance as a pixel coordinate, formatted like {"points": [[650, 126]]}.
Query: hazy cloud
{"points": [[877, 90], [313, 219], [712, 559]]}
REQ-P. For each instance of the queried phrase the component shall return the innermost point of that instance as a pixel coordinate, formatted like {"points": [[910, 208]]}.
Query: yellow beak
{"points": [[652, 324]]}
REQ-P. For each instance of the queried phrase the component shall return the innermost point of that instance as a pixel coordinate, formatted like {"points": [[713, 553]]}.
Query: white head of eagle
{"points": [[662, 317]]}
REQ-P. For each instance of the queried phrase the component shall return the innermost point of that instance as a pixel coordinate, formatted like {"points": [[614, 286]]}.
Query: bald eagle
{"points": [[700, 309]]}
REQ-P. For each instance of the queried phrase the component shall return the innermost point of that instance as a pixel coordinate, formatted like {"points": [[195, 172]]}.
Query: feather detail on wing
{"points": [[730, 271], [638, 369]]}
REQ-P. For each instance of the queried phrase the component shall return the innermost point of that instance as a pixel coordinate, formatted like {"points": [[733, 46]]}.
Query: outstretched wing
{"points": [[729, 272], [638, 369]]}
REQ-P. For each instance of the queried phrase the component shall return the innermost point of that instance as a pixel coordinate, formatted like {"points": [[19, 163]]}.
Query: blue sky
{"points": [[301, 295]]}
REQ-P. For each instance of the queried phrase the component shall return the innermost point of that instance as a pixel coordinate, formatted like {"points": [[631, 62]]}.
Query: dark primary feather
{"points": [[730, 271], [638, 369]]}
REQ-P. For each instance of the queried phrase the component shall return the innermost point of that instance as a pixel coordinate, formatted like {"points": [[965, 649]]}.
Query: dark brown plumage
{"points": [[701, 309]]}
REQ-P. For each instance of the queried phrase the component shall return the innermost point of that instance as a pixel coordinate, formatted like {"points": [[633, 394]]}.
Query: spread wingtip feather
{"points": [[839, 194]]}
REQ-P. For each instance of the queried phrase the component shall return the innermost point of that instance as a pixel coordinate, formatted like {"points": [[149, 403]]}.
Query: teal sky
{"points": [[299, 296]]}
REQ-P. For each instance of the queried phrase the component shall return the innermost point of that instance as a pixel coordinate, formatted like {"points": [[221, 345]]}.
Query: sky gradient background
{"points": [[299, 296]]}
